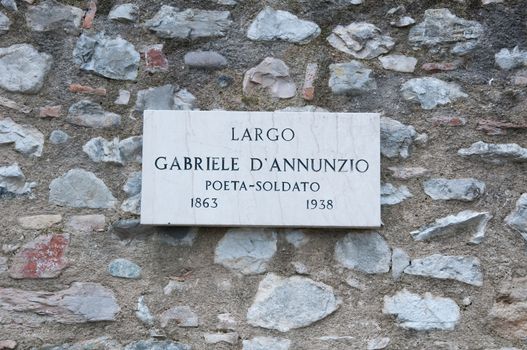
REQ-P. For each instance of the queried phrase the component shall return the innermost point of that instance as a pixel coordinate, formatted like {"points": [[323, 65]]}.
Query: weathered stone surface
{"points": [[39, 222], [466, 269], [171, 23], [288, 303], [517, 219], [58, 136], [51, 15], [13, 181], [124, 13], [398, 63], [82, 302], [465, 190], [495, 153], [497, 127], [3, 267], [143, 313], [215, 338], [124, 268], [361, 40], [378, 343], [117, 152], [307, 108], [247, 251], [508, 316], [396, 138], [400, 261], [391, 195], [462, 222], [431, 92], [113, 58], [272, 24], [446, 120], [24, 68], [226, 321], [509, 59], [157, 345], [422, 313], [91, 115], [5, 102], [123, 98], [351, 78], [406, 173], [132, 188], [5, 23], [86, 223], [164, 98], [101, 343], [402, 22], [80, 189], [272, 75], [27, 139], [367, 252], [183, 316], [205, 60], [50, 111], [297, 238], [155, 59], [266, 343]]}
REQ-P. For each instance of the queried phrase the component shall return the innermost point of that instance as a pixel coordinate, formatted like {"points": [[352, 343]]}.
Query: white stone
{"points": [[361, 40], [13, 181], [398, 63], [23, 68], [495, 153], [431, 92], [123, 98], [351, 78], [400, 261], [509, 59], [5, 23], [215, 338], [367, 252], [396, 138], [124, 13], [143, 313], [297, 238], [183, 316], [378, 343], [39, 222], [466, 269], [27, 139], [465, 190], [266, 343], [272, 75], [403, 22], [391, 195]]}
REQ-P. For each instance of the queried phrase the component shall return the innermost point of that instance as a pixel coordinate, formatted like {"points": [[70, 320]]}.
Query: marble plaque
{"points": [[295, 169]]}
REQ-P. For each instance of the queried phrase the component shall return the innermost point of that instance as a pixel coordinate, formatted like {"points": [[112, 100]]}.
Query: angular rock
{"points": [[51, 15], [272, 24], [351, 78], [132, 188], [396, 138], [80, 189], [495, 153], [124, 268], [403, 173], [508, 316], [297, 238], [5, 23], [27, 139], [495, 127], [124, 13], [466, 269], [246, 251], [183, 316], [3, 268], [24, 68], [361, 40], [509, 59], [184, 100], [398, 63], [400, 261], [402, 22], [266, 343], [13, 182], [157, 345], [215, 338], [82, 302], [50, 111], [464, 48], [58, 136], [462, 222], [391, 195], [517, 219], [5, 102], [205, 60], [367, 252], [308, 89], [430, 92], [442, 66], [117, 152], [378, 343], [91, 115], [288, 303], [422, 313], [448, 121], [113, 58], [164, 98], [123, 98], [171, 23], [465, 190], [86, 223], [143, 313], [272, 75], [155, 59], [39, 222]]}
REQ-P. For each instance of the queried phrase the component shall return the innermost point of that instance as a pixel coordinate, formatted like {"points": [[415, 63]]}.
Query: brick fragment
{"points": [[308, 90], [50, 111]]}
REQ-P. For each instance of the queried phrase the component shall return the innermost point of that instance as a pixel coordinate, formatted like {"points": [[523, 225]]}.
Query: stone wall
{"points": [[446, 271]]}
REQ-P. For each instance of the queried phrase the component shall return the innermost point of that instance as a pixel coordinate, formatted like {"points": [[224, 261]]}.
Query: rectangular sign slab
{"points": [[277, 169]]}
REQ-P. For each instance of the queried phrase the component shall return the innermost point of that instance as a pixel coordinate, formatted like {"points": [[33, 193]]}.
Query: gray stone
{"points": [[91, 115], [396, 138], [517, 219], [51, 15], [351, 78], [288, 303], [3, 264], [465, 190], [391, 195], [367, 252], [5, 23], [509, 59], [297, 238], [113, 58], [226, 321], [307, 108], [132, 204], [378, 343], [266, 343], [406, 173], [171, 23], [402, 22], [272, 75], [177, 236], [272, 24], [133, 184], [398, 63], [80, 189], [27, 139], [215, 338], [247, 251], [156, 345], [463, 48], [184, 100], [466, 269], [495, 153], [124, 268], [101, 343], [9, 4], [361, 40], [123, 98], [124, 13], [131, 149], [117, 152], [39, 222], [164, 98], [205, 60], [13, 181], [462, 222], [143, 313], [400, 261], [86, 223], [24, 68], [183, 316], [430, 92], [300, 268], [58, 136], [422, 313]]}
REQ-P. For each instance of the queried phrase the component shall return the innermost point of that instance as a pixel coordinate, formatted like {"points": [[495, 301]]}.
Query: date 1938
{"points": [[320, 204]]}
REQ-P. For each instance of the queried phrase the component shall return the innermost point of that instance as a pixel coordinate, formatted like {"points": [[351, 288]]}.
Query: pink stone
{"points": [[155, 58], [444, 120]]}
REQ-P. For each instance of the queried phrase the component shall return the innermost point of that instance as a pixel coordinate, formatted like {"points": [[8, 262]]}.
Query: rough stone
{"points": [[24, 68], [175, 286], [288, 303], [496, 127], [156, 345], [27, 139], [509, 59], [517, 219], [400, 261], [5, 102], [82, 302], [431, 92], [117, 152], [124, 13], [272, 24], [91, 115], [406, 173], [422, 313], [86, 223], [307, 108], [466, 269], [50, 111], [297, 238], [3, 268], [171, 23], [124, 268], [80, 189], [445, 120], [84, 89], [227, 322], [351, 78], [183, 316], [367, 252], [51, 15], [58, 137], [402, 22], [378, 343], [39, 222], [113, 58], [361, 40], [465, 190], [391, 195], [247, 251], [164, 98], [508, 316], [132, 188], [101, 343], [398, 63], [5, 23], [215, 338], [443, 66], [13, 182], [495, 153], [123, 98], [462, 222], [396, 138], [266, 343], [205, 60], [272, 75], [155, 59], [143, 313]]}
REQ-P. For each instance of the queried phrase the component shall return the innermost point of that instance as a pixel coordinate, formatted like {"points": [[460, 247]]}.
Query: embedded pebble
{"points": [[51, 15], [183, 316], [57, 137], [366, 252], [89, 114], [39, 222], [466, 269], [124, 268], [124, 13], [13, 182], [517, 219], [400, 261], [27, 139], [391, 195], [23, 68], [430, 92], [351, 78], [465, 190], [266, 343], [205, 60], [398, 63]]}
